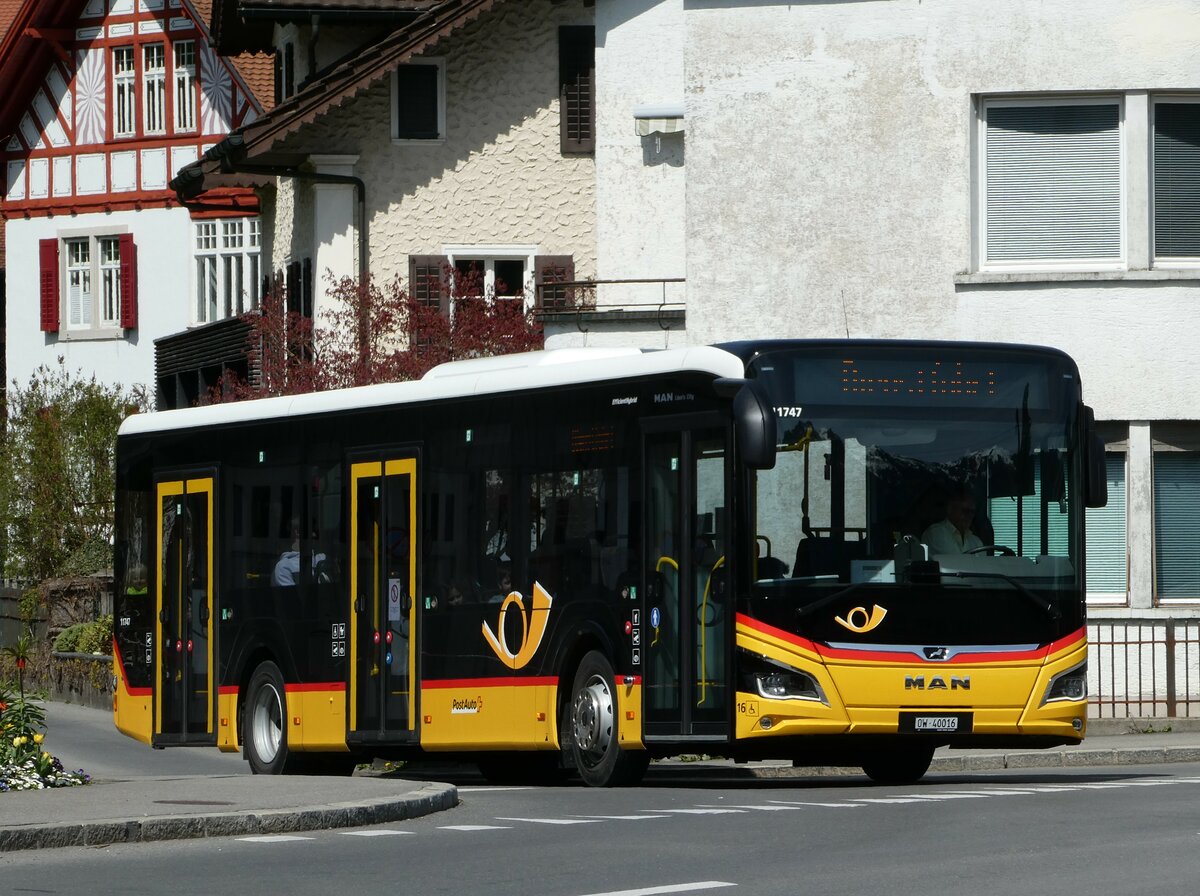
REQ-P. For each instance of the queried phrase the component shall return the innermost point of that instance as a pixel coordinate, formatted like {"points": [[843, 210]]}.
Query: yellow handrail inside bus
{"points": [[670, 561], [703, 608]]}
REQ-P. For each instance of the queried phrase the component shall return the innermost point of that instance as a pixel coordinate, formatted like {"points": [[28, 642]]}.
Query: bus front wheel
{"points": [[899, 767], [600, 759], [265, 723]]}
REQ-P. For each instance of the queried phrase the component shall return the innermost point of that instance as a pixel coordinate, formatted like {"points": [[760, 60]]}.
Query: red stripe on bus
{"points": [[543, 681], [315, 686], [773, 632]]}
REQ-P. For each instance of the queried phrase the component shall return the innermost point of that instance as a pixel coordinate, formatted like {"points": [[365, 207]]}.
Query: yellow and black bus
{"points": [[580, 560]]}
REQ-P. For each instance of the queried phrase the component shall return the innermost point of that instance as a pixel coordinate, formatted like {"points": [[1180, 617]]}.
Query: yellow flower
{"points": [[17, 741], [45, 755], [38, 738]]}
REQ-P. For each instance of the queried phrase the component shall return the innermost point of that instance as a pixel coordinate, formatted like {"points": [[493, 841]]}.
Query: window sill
{"points": [[419, 141], [97, 335], [989, 278]]}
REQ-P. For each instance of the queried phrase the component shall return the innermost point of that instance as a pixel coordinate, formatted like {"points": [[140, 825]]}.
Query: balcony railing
{"points": [[611, 296], [1144, 668]]}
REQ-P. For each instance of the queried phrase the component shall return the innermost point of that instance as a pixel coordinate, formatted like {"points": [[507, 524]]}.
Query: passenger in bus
{"points": [[953, 534], [287, 567]]}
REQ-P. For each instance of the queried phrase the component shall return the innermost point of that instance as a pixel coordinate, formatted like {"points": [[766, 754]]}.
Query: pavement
{"points": [[171, 807]]}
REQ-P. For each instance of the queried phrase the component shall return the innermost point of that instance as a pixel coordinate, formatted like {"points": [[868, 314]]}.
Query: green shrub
{"points": [[68, 639], [97, 636]]}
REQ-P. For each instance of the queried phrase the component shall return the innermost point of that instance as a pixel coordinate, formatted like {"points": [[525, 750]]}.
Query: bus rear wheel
{"points": [[905, 766], [265, 722], [592, 728]]}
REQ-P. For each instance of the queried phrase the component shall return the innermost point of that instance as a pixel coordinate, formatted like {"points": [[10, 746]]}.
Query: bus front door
{"points": [[184, 692], [383, 578], [685, 609]]}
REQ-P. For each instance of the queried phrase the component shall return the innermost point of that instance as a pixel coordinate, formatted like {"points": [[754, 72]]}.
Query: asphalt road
{"points": [[1125, 830]]}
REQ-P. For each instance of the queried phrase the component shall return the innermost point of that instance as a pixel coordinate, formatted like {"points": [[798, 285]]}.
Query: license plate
{"points": [[935, 723]]}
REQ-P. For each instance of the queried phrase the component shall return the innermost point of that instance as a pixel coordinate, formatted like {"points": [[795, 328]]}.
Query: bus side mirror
{"points": [[1096, 479], [753, 422]]}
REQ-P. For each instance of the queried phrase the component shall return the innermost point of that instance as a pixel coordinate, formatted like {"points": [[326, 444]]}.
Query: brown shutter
{"points": [[549, 270], [129, 281], [295, 300], [576, 88], [427, 280], [48, 250]]}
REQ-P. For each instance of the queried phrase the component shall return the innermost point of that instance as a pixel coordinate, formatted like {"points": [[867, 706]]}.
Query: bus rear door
{"points": [[684, 608], [184, 693], [383, 578]]}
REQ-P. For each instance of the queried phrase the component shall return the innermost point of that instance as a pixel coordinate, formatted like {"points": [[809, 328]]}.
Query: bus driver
{"points": [[953, 534]]}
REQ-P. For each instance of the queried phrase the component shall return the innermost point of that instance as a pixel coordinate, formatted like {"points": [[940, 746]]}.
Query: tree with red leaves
{"points": [[371, 335]]}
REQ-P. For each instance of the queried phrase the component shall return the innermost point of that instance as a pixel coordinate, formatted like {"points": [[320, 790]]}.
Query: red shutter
{"points": [[129, 281], [549, 270], [48, 250]]}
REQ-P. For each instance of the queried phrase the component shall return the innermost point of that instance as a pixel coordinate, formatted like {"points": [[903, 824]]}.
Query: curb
{"points": [[429, 798]]}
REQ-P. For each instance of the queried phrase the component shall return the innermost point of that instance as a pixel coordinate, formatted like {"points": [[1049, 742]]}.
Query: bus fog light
{"points": [[766, 723], [1070, 685], [1077, 724]]}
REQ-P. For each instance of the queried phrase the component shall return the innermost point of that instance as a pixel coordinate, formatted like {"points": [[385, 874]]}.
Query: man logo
{"points": [[532, 629], [858, 620]]}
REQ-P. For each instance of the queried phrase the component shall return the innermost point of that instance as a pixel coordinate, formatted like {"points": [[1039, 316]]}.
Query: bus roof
{"points": [[457, 379]]}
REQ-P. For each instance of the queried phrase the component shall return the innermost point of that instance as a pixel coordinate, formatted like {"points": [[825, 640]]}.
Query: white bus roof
{"points": [[458, 379]]}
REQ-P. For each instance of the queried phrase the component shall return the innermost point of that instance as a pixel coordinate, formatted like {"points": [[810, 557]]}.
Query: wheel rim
{"points": [[266, 727], [592, 718]]}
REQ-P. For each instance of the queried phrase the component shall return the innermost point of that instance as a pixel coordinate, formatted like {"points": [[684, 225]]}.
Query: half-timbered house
{"points": [[102, 101]]}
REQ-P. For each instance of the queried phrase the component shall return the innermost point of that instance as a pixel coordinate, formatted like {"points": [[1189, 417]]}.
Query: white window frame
{"points": [[489, 255], [987, 102], [227, 264], [101, 319], [440, 64], [154, 88], [1166, 262], [183, 54], [124, 120]]}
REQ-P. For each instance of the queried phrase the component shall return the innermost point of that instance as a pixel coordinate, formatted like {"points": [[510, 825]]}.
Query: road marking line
{"points": [[475, 827], [622, 817], [374, 833], [273, 838], [549, 820], [701, 811], [669, 888], [897, 800], [768, 808], [490, 789], [819, 805]]}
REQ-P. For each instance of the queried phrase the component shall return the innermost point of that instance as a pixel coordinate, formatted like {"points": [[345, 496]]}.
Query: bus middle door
{"points": [[184, 678], [685, 611], [383, 532]]}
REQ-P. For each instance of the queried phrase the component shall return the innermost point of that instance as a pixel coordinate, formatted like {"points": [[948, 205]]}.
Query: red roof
{"points": [[8, 12]]}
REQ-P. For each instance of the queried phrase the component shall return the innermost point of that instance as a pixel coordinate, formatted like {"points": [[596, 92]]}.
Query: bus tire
{"points": [[905, 766], [265, 741], [592, 728]]}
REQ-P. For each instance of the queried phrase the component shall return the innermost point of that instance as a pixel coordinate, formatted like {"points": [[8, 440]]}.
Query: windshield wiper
{"points": [[1041, 603]]}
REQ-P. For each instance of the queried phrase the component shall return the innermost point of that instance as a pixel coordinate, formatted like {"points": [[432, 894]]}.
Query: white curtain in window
{"points": [[1107, 568], [1053, 182]]}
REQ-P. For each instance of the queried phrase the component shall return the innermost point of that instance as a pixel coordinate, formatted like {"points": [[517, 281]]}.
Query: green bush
{"points": [[86, 637], [68, 639], [97, 636]]}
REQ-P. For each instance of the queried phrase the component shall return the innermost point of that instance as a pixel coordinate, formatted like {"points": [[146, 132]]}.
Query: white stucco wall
{"points": [[829, 184], [498, 178], [165, 273], [640, 180]]}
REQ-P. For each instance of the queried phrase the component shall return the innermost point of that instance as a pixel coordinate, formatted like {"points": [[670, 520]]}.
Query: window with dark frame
{"points": [[417, 102], [576, 87]]}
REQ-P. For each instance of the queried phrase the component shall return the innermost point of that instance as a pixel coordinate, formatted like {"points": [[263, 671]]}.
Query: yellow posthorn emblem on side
{"points": [[533, 627], [859, 620]]}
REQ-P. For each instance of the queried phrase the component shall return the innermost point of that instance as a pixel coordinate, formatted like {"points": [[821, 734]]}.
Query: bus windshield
{"points": [[899, 469]]}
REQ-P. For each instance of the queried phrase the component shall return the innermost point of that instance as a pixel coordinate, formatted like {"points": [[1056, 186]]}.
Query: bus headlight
{"points": [[1069, 685], [776, 681]]}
